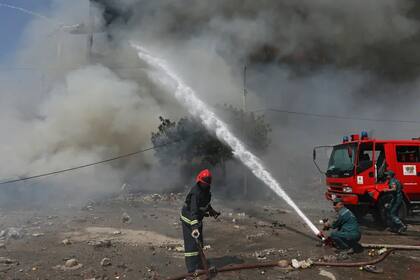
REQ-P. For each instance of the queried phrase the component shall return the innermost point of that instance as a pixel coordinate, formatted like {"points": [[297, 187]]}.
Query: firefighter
{"points": [[394, 222], [347, 233], [196, 207]]}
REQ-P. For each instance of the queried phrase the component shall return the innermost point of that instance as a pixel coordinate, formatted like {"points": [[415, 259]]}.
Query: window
{"points": [[408, 154], [365, 157], [341, 162], [380, 163]]}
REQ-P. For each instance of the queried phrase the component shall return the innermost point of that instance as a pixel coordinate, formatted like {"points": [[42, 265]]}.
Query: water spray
{"points": [[186, 96]]}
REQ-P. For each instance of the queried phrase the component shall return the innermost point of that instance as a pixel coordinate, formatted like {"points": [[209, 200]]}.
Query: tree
{"points": [[251, 127], [197, 146], [194, 144]]}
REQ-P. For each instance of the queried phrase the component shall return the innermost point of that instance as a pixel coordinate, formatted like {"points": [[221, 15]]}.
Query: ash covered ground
{"points": [[138, 236]]}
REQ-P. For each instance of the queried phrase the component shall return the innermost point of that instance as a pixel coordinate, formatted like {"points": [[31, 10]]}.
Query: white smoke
{"points": [[91, 116]]}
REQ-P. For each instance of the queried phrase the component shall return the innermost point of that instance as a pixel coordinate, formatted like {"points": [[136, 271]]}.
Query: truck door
{"points": [[380, 163], [408, 169], [365, 168]]}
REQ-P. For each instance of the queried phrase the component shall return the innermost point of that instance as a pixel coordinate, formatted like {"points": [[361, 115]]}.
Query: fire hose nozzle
{"points": [[321, 236], [326, 240]]}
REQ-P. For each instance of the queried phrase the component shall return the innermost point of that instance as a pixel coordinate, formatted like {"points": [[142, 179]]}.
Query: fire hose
{"points": [[211, 273]]}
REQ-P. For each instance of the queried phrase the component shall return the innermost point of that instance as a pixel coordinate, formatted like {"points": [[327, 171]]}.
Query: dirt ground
{"points": [[141, 237]]}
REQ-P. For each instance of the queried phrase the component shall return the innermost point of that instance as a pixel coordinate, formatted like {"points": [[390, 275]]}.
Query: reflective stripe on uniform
{"points": [[345, 211], [188, 221], [191, 254]]}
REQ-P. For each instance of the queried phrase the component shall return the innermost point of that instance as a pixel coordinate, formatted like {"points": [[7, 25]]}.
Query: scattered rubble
{"points": [[71, 264], [371, 268], [66, 242], [256, 236], [302, 264], [4, 260], [125, 218], [374, 253], [382, 251], [329, 258], [262, 255], [12, 232], [106, 262], [262, 224], [104, 243], [89, 206]]}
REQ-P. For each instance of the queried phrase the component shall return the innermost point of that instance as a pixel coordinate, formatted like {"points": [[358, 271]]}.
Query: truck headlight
{"points": [[347, 189]]}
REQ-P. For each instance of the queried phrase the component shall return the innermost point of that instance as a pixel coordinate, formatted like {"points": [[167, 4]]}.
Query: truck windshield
{"points": [[341, 163]]}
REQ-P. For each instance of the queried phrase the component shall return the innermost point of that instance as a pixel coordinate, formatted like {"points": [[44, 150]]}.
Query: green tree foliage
{"points": [[196, 145]]}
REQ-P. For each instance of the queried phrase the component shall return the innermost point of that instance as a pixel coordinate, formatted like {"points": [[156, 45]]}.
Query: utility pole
{"points": [[90, 32], [245, 93]]}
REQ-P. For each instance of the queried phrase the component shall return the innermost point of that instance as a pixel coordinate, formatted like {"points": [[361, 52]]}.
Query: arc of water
{"points": [[198, 108]]}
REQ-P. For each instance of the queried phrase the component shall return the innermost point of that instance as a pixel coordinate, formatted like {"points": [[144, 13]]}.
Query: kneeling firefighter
{"points": [[196, 207], [347, 232]]}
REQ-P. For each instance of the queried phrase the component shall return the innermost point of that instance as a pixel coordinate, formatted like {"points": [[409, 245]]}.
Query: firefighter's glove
{"points": [[213, 213], [195, 233]]}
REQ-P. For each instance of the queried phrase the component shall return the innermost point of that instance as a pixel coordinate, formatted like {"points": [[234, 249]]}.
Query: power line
{"points": [[337, 116], [89, 164], [23, 68]]}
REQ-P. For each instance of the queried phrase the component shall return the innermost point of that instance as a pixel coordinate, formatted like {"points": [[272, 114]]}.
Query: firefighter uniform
{"points": [[196, 206], [394, 206], [347, 234]]}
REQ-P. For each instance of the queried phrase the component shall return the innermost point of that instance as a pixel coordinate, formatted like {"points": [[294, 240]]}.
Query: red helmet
{"points": [[204, 177]]}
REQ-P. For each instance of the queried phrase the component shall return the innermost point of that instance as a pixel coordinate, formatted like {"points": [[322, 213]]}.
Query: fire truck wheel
{"points": [[381, 213]]}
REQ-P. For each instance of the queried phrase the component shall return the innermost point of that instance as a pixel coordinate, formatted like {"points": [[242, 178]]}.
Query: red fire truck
{"points": [[356, 168]]}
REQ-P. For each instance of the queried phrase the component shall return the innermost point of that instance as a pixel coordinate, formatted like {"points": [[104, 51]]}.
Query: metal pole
{"points": [[245, 93], [90, 32]]}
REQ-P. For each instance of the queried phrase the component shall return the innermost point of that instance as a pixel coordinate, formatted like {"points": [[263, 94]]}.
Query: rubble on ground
{"points": [[66, 242], [71, 264], [104, 243], [6, 264], [12, 232], [371, 269], [272, 252], [125, 218], [302, 264], [106, 262]]}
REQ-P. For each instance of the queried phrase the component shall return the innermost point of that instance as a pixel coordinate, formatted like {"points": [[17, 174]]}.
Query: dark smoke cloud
{"points": [[376, 35]]}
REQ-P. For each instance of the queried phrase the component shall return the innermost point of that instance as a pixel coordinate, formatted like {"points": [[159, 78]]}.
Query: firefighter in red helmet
{"points": [[196, 207]]}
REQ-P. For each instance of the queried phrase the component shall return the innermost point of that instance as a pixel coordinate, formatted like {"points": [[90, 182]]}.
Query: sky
{"points": [[13, 22]]}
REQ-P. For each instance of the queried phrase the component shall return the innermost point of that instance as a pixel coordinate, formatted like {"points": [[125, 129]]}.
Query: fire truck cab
{"points": [[356, 174]]}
